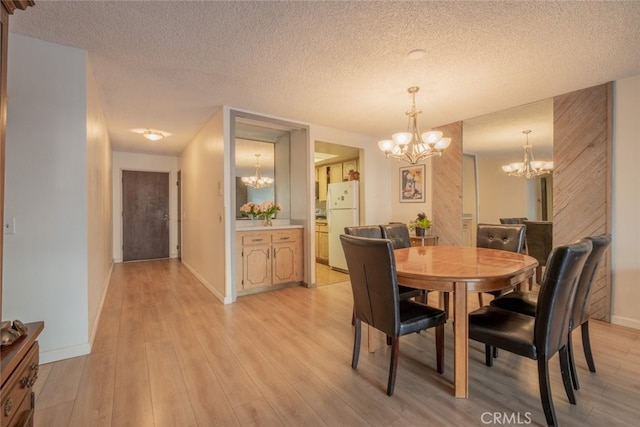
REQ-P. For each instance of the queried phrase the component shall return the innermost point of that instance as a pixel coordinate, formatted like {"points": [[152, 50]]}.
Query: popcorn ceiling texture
{"points": [[167, 65]]}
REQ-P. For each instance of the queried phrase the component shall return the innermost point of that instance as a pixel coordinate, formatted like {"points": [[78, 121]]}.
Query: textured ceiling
{"points": [[167, 65]]}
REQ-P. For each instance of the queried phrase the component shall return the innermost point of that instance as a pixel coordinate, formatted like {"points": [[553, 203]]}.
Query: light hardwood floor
{"points": [[327, 276], [167, 353]]}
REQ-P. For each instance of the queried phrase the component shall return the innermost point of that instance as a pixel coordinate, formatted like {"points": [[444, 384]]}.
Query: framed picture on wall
{"points": [[412, 184]]}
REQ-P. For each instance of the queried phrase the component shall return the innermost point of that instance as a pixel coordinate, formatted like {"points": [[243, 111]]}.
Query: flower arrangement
{"points": [[420, 223], [269, 209], [252, 210], [264, 210]]}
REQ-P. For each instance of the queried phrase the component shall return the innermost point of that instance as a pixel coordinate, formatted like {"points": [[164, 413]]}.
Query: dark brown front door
{"points": [[145, 215]]}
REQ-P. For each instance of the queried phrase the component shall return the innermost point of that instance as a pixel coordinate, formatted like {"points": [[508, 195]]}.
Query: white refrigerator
{"points": [[343, 201]]}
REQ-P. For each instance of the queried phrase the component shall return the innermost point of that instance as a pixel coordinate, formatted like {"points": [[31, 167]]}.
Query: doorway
{"points": [[333, 163], [145, 215]]}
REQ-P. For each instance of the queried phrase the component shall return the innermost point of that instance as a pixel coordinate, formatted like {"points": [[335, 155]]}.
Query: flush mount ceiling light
{"points": [[529, 168], [257, 181], [151, 134], [412, 146]]}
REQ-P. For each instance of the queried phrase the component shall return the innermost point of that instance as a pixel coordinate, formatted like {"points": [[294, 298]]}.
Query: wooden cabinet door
{"points": [[256, 266], [323, 246], [284, 262], [322, 183], [335, 173]]}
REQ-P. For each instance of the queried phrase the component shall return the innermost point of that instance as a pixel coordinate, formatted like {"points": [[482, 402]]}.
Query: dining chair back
{"points": [[544, 335], [518, 220], [375, 232], [505, 237], [539, 237], [398, 233], [371, 231], [377, 302]]}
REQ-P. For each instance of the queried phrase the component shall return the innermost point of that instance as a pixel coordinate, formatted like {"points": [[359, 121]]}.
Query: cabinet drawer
{"points": [[256, 239], [284, 236], [322, 228], [18, 388]]}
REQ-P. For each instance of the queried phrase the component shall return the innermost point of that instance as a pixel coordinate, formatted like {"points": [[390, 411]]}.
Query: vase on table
{"points": [[420, 231], [267, 220]]}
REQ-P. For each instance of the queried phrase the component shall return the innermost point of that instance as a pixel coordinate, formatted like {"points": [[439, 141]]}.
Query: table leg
{"points": [[461, 340]]}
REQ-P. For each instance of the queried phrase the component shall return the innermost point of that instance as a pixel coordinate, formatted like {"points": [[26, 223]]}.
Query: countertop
{"points": [[267, 228]]}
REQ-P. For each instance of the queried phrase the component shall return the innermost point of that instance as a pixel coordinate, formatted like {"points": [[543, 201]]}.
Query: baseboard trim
{"points": [[625, 321], [58, 354], [206, 284]]}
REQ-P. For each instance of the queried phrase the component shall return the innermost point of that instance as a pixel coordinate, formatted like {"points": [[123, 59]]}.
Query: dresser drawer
{"points": [[256, 239], [16, 394], [284, 236]]}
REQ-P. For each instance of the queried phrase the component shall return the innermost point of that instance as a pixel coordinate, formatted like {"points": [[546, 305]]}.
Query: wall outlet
{"points": [[10, 226]]}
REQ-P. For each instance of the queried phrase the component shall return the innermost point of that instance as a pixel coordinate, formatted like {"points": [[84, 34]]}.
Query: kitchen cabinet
{"points": [[322, 242], [269, 258], [322, 183], [331, 173], [351, 165]]}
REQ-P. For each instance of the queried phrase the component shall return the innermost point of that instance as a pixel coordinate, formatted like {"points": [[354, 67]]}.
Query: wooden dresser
{"points": [[20, 363]]}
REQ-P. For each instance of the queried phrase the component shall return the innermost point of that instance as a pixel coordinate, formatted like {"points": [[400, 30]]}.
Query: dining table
{"points": [[461, 270]]}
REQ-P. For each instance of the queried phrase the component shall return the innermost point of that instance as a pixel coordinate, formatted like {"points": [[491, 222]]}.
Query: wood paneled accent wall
{"points": [[582, 177], [447, 188], [581, 180]]}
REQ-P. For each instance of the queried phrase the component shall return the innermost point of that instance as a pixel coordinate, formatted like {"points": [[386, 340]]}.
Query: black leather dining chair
{"points": [[526, 303], [540, 337], [399, 235], [377, 302], [505, 237], [375, 232]]}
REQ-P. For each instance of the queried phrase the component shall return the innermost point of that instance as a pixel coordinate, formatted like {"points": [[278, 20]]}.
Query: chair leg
{"points": [[586, 344], [545, 392], [572, 363], [389, 340], [440, 349], [480, 299], [356, 344], [488, 360], [495, 352], [393, 364], [565, 370]]}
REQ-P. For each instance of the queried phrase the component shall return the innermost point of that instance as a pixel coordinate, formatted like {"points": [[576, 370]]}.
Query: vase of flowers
{"points": [[421, 224], [250, 210], [268, 210]]}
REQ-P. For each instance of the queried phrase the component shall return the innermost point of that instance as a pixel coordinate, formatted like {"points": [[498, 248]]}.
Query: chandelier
{"points": [[412, 146], [257, 180], [529, 168]]}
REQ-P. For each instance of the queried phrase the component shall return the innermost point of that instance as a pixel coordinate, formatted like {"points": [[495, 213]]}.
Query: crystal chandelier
{"points": [[529, 168], [412, 146], [257, 180]]}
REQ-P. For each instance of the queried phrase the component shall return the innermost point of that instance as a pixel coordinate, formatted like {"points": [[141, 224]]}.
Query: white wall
{"points": [[204, 221], [99, 204], [626, 203], [507, 194], [145, 163], [45, 261]]}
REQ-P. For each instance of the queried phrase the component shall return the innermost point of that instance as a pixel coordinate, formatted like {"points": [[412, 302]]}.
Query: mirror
{"points": [[246, 152], [272, 143], [496, 139]]}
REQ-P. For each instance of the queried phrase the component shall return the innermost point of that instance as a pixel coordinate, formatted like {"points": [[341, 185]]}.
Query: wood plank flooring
{"points": [[167, 353]]}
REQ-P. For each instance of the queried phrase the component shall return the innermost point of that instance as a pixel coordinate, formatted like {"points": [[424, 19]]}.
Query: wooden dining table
{"points": [[461, 270]]}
